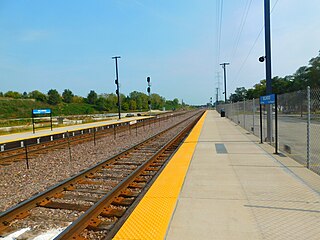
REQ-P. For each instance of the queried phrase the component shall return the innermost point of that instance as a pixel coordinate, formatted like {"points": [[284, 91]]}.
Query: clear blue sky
{"points": [[48, 44]]}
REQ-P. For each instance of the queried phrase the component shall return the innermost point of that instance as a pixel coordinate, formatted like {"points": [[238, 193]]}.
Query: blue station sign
{"points": [[268, 99], [41, 111]]}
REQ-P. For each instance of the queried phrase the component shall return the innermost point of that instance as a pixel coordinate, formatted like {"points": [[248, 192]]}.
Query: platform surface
{"points": [[246, 192], [234, 188], [57, 130]]}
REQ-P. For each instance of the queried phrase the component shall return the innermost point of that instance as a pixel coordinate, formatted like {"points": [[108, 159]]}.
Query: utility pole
{"points": [[225, 80], [217, 95], [268, 66], [117, 83]]}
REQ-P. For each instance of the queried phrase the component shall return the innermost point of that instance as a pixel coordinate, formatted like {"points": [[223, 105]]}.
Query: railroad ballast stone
{"points": [[18, 184]]}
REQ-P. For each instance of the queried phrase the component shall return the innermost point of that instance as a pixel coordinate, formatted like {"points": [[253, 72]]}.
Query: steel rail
{"points": [[73, 230], [21, 210], [57, 143]]}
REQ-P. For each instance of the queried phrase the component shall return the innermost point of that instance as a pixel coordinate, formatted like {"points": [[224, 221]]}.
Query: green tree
{"points": [[313, 72], [124, 102], [54, 97], [238, 95], [300, 79], [67, 96], [13, 94], [251, 94], [132, 105], [141, 100], [25, 95], [157, 102], [303, 77], [260, 88], [101, 104], [92, 97], [125, 106], [111, 101], [279, 85], [37, 95], [78, 99], [172, 104]]}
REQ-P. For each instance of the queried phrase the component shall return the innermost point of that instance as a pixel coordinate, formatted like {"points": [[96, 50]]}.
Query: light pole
{"points": [[268, 65], [117, 83], [225, 80]]}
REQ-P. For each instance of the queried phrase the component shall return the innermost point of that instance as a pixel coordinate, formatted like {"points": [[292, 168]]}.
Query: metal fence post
{"points": [[231, 111], [308, 127], [234, 111], [244, 113], [264, 122], [276, 123], [253, 110], [69, 147], [238, 112], [137, 128], [94, 136], [261, 138], [27, 158]]}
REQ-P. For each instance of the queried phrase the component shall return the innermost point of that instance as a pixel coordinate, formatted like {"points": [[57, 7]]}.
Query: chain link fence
{"points": [[298, 124], [315, 130]]}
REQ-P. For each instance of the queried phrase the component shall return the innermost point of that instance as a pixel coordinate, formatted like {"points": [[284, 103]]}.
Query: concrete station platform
{"points": [[57, 130], [223, 184]]}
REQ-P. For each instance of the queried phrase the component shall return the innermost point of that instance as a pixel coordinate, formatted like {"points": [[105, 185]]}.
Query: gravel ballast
{"points": [[17, 183]]}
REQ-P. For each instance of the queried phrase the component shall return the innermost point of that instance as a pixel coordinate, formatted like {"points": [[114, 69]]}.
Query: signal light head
{"points": [[148, 79], [261, 59]]}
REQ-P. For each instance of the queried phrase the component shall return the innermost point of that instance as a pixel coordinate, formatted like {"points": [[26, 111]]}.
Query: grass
{"points": [[17, 109], [17, 112]]}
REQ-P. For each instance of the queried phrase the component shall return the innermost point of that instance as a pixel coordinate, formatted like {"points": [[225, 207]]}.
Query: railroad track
{"points": [[98, 199], [67, 139]]}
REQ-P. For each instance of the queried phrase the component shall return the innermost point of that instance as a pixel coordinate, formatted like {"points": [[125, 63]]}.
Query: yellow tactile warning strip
{"points": [[151, 217]]}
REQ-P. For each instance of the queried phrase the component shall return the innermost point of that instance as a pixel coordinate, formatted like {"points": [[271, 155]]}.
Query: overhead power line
{"points": [[219, 29], [219, 17], [241, 26], [254, 44]]}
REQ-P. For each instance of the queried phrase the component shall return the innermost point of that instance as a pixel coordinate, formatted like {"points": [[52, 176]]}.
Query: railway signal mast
{"points": [[117, 83], [149, 91]]}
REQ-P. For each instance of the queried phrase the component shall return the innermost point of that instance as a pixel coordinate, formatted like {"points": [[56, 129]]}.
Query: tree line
{"points": [[305, 76], [135, 101]]}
